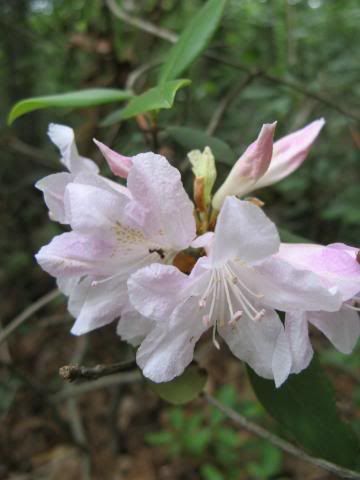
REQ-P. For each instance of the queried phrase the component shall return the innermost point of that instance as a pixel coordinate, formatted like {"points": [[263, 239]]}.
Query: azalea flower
{"points": [[53, 186], [115, 232], [235, 291], [263, 163], [339, 266]]}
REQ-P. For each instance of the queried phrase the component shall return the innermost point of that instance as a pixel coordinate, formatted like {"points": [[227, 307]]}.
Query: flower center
{"points": [[227, 299]]}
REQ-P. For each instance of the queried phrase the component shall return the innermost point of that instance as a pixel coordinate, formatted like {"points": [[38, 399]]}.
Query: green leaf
{"points": [[191, 138], [182, 389], [156, 98], [159, 438], [305, 408], [209, 472], [193, 40], [78, 99], [290, 237]]}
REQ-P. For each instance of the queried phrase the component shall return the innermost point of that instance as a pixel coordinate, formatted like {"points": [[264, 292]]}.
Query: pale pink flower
{"points": [[115, 232], [263, 163], [119, 164], [234, 291], [338, 266], [53, 186]]}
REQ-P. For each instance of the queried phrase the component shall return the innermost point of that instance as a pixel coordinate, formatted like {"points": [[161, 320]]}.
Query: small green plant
{"points": [[219, 450]]}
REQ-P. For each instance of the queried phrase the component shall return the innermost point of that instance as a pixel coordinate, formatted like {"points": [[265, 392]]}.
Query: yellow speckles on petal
{"points": [[128, 235]]}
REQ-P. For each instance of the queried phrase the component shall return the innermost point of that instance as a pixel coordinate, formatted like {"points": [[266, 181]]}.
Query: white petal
{"points": [[342, 328], [282, 360], [72, 254], [133, 327], [243, 231], [287, 287], [254, 342], [98, 305], [168, 350], [53, 187], [297, 334], [156, 186], [63, 137], [156, 290], [92, 208]]}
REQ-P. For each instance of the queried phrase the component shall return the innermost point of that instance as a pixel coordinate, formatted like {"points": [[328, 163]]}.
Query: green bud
{"points": [[204, 169]]}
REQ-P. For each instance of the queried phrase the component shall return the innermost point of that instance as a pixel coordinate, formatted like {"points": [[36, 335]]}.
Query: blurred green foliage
{"points": [[203, 438]]}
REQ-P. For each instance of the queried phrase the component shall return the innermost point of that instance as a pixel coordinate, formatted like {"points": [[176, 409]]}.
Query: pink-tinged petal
{"points": [[290, 152], [336, 264], [287, 287], [243, 231], [63, 137], [168, 350], [157, 188], [254, 342], [72, 254], [53, 187], [204, 241], [156, 290], [119, 164], [90, 208], [249, 168], [101, 182], [297, 334], [96, 305], [133, 327], [282, 359], [342, 328]]}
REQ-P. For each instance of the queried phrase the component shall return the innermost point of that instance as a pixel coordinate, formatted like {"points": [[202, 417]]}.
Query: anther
{"points": [[206, 320], [237, 315], [259, 315], [202, 303]]}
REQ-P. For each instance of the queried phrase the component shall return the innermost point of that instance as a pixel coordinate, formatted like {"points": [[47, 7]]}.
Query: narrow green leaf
{"points": [[305, 408], [191, 139], [193, 40], [78, 99], [182, 389], [161, 96]]}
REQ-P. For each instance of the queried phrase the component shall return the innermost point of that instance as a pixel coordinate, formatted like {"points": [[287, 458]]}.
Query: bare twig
{"points": [[227, 100], [279, 442], [105, 382], [173, 37], [74, 415], [141, 24], [27, 313], [80, 372]]}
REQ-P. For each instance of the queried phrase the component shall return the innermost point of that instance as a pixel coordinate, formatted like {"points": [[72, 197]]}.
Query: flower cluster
{"points": [[120, 259]]}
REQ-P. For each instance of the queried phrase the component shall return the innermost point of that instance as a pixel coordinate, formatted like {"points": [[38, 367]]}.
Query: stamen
{"points": [[236, 317], [352, 307]]}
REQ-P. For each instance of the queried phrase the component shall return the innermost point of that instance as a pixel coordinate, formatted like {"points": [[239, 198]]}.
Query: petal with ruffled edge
{"points": [[243, 231], [72, 254], [133, 327], [335, 263], [157, 189], [119, 164], [290, 152], [96, 305], [53, 187], [156, 290], [168, 350], [342, 328], [250, 167], [63, 137], [288, 287], [254, 342]]}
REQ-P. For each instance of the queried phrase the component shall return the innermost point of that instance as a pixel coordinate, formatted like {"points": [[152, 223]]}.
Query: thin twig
{"points": [[279, 442], [80, 372], [227, 100], [27, 313], [173, 37], [105, 382]]}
